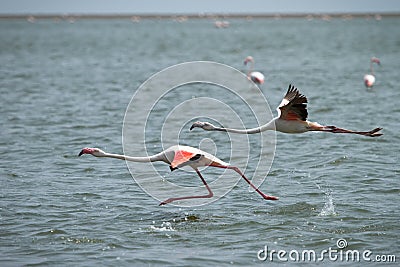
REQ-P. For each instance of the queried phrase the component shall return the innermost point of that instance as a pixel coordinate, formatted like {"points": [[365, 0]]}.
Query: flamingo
{"points": [[177, 157], [255, 76], [221, 24], [369, 79], [292, 118]]}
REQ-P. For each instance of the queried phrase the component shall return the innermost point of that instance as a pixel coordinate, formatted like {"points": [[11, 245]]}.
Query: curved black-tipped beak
{"points": [[80, 153], [191, 127]]}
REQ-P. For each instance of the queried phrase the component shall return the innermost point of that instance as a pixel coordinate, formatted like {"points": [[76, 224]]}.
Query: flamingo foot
{"points": [[270, 198], [169, 200], [372, 133]]}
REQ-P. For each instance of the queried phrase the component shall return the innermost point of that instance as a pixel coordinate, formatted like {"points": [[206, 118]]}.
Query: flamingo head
{"points": [[92, 151], [376, 60], [204, 125], [248, 59]]}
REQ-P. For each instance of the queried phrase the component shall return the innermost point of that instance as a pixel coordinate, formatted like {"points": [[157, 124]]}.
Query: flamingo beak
{"points": [[86, 150], [194, 125]]}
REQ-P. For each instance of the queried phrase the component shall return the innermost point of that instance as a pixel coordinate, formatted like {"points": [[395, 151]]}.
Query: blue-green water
{"points": [[65, 86]]}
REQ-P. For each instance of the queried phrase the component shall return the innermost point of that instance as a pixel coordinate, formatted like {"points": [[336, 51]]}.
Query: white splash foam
{"points": [[165, 227], [329, 207]]}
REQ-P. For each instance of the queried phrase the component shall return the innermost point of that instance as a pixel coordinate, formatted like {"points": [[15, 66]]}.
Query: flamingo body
{"points": [[257, 77], [292, 118], [369, 80], [291, 126], [193, 157], [178, 157]]}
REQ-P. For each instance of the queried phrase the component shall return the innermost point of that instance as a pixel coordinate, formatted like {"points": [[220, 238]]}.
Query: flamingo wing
{"points": [[181, 157], [293, 105]]}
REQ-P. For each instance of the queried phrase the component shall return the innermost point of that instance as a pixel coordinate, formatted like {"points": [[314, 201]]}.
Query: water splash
{"points": [[164, 227], [329, 207]]}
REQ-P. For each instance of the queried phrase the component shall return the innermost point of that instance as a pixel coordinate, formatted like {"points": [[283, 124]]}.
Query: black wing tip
{"points": [[301, 111], [292, 88], [195, 157], [293, 92]]}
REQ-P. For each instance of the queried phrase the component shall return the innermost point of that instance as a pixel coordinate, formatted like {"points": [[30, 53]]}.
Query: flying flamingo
{"points": [[369, 79], [178, 157], [255, 76], [292, 118]]}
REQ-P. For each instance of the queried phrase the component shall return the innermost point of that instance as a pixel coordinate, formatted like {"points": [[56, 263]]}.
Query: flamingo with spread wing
{"points": [[292, 118]]}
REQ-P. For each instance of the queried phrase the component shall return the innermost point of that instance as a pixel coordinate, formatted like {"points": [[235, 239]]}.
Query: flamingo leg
{"points": [[236, 169], [334, 129], [209, 195]]}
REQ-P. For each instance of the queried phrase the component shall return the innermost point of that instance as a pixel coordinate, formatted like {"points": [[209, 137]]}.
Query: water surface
{"points": [[67, 85]]}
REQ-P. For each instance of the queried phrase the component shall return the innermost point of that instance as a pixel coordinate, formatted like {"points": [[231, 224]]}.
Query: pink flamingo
{"points": [[292, 118], [178, 157], [369, 79], [255, 76]]}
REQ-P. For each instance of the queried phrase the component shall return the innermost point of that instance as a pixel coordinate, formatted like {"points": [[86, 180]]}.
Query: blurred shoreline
{"points": [[376, 15]]}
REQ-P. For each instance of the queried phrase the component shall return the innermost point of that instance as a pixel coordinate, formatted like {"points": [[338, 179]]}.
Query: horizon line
{"points": [[199, 15]]}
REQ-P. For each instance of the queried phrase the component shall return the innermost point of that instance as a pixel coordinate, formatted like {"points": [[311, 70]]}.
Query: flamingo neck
{"points": [[268, 126], [157, 157], [251, 67], [371, 67]]}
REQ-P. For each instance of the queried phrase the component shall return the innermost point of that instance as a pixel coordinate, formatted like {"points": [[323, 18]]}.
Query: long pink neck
{"points": [[268, 126], [251, 67], [158, 157], [371, 67]]}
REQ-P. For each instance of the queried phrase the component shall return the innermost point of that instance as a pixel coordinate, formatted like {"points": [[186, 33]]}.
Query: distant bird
{"points": [[369, 79], [221, 24], [292, 118], [255, 76], [178, 157]]}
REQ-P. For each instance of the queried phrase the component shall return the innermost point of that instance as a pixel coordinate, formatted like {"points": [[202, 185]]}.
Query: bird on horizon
{"points": [[255, 76], [292, 118], [177, 157], [369, 79]]}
